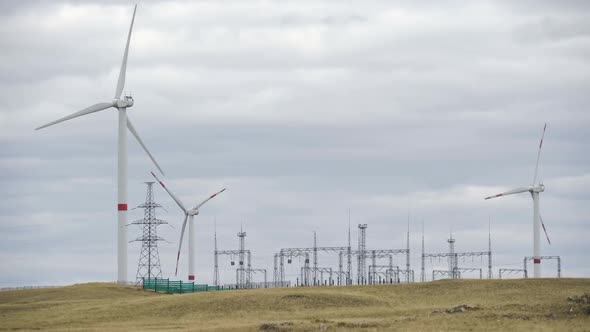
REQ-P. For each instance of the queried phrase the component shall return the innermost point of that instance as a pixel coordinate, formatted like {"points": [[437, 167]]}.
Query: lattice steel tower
{"points": [[490, 276], [453, 259], [241, 271], [315, 259], [149, 258], [408, 253], [349, 256], [362, 267], [422, 262], [215, 259]]}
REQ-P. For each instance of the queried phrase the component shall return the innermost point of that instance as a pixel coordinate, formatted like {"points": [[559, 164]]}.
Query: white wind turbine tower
{"points": [[189, 215], [121, 104], [535, 190]]}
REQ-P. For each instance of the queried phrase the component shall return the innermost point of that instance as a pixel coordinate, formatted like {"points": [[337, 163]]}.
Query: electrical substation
{"points": [[318, 265], [312, 274]]}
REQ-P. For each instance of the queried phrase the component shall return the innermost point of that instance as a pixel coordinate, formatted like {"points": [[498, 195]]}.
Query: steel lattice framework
{"points": [[244, 270], [309, 274], [290, 253], [306, 271], [390, 273], [362, 246], [375, 254], [149, 258], [454, 271], [248, 273], [512, 271], [242, 278], [539, 258]]}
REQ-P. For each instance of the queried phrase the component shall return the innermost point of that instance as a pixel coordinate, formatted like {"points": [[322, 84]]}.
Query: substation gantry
{"points": [[244, 270]]}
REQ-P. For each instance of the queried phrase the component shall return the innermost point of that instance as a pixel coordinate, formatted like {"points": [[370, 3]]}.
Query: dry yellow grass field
{"points": [[499, 305]]}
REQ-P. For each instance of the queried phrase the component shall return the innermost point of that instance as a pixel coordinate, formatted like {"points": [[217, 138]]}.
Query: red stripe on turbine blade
{"points": [[499, 195], [191, 277], [537, 261], [162, 184], [122, 207], [222, 190]]}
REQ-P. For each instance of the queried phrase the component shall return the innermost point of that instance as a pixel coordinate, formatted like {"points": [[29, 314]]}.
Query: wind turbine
{"points": [[535, 190], [189, 215], [121, 104]]}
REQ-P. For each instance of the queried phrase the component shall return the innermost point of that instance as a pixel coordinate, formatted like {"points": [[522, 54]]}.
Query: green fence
{"points": [[177, 287]]}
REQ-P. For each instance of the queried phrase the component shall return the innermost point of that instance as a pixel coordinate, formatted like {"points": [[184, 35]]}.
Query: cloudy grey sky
{"points": [[303, 109]]}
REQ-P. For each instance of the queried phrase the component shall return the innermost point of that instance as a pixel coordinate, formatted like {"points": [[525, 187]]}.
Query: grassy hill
{"points": [[490, 305]]}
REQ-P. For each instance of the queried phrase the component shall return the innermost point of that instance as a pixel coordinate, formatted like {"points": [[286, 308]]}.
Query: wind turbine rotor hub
{"points": [[125, 102], [193, 212]]}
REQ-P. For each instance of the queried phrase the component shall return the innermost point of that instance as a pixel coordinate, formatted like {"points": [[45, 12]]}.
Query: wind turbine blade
{"points": [[180, 243], [176, 199], [539, 155], [510, 192], [92, 109], [136, 135], [544, 230], [121, 81], [208, 199]]}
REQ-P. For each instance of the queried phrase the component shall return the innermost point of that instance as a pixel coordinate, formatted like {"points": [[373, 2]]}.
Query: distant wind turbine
{"points": [[189, 214], [121, 104], [535, 190]]}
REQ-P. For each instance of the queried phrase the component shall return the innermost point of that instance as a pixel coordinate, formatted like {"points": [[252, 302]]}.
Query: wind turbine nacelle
{"points": [[193, 212], [124, 102], [539, 189]]}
